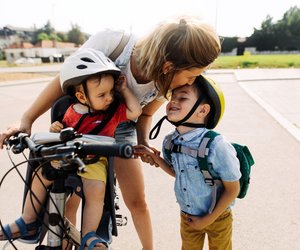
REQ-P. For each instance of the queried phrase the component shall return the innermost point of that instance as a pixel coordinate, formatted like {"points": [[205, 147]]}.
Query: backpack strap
{"points": [[167, 146], [118, 50], [210, 176]]}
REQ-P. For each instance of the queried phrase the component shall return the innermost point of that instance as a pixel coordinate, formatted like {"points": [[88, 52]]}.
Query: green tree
{"points": [[63, 36], [229, 44], [288, 30], [282, 35], [2, 55], [54, 37], [265, 37], [75, 35], [42, 36], [48, 29], [47, 32]]}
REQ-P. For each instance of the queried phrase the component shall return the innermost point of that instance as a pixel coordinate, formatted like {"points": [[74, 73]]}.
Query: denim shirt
{"points": [[192, 193]]}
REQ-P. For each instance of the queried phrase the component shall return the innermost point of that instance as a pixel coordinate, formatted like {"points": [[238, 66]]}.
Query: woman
{"points": [[174, 54]]}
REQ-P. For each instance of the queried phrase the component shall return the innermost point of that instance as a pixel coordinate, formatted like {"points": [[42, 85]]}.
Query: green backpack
{"points": [[211, 178]]}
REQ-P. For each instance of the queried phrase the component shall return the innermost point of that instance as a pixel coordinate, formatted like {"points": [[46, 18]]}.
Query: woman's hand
{"points": [[21, 126]]}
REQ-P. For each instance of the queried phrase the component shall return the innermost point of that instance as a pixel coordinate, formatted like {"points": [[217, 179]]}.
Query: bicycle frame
{"points": [[70, 148]]}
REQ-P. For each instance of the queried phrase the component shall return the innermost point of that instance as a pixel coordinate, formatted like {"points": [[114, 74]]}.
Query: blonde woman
{"points": [[172, 55]]}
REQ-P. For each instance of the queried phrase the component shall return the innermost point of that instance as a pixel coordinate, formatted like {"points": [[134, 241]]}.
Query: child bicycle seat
{"points": [[108, 224]]}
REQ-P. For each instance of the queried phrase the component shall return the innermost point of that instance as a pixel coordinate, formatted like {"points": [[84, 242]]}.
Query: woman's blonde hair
{"points": [[185, 41]]}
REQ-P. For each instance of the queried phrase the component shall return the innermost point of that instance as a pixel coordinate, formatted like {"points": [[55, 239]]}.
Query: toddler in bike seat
{"points": [[103, 101]]}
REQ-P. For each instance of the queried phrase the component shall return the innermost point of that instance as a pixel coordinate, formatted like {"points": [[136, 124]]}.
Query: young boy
{"points": [[90, 76], [193, 194]]}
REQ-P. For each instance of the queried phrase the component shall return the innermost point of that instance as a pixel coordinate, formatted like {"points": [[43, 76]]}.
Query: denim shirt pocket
{"points": [[193, 172]]}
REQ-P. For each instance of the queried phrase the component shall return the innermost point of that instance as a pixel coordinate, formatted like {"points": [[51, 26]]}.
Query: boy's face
{"points": [[182, 101], [100, 91]]}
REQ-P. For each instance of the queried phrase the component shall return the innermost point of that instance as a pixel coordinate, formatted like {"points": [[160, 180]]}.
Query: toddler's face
{"points": [[101, 91], [182, 100]]}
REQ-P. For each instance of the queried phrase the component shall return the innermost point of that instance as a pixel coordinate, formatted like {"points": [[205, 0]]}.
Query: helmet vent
{"points": [[86, 59], [81, 66]]}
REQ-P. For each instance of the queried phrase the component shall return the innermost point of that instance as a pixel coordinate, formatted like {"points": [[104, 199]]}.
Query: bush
{"points": [[2, 55]]}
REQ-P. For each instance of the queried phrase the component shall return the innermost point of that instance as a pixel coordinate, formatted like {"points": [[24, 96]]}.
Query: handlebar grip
{"points": [[122, 150]]}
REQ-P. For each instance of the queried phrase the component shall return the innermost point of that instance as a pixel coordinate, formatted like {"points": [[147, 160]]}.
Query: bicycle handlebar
{"points": [[72, 146]]}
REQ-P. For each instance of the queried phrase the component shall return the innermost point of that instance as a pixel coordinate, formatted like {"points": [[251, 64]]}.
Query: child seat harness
{"points": [[211, 178]]}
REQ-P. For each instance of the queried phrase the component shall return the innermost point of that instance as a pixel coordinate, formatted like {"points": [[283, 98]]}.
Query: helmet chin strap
{"points": [[85, 92], [156, 128]]}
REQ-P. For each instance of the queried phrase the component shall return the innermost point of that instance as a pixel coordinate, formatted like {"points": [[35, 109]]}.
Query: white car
{"points": [[24, 60]]}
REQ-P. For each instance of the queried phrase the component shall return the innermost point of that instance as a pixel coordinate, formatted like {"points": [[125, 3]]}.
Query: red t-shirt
{"points": [[71, 118]]}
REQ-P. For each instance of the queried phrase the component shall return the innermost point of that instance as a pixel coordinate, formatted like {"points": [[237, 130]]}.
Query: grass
{"points": [[245, 61], [4, 63], [257, 61]]}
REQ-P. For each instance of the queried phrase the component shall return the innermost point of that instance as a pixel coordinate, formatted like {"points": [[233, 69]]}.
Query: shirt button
{"points": [[184, 189], [188, 205], [181, 139], [181, 170]]}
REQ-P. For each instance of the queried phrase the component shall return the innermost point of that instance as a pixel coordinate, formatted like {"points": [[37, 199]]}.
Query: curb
{"points": [[19, 82], [292, 129]]}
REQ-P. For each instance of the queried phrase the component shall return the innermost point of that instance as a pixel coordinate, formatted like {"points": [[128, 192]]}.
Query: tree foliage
{"points": [[229, 44], [75, 35], [282, 35], [47, 32], [42, 36]]}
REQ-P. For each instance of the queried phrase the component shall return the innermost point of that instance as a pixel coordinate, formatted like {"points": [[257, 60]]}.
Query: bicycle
{"points": [[71, 149]]}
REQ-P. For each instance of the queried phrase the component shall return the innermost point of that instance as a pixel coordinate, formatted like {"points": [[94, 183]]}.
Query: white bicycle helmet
{"points": [[84, 63]]}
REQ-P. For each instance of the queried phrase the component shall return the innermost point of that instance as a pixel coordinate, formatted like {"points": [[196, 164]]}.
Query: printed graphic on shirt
{"points": [[150, 96]]}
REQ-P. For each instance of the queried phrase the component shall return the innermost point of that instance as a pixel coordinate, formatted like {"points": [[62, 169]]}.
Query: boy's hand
{"points": [[147, 154], [56, 127], [199, 223]]}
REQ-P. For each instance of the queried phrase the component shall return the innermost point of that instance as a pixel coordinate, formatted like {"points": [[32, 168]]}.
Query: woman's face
{"points": [[186, 76]]}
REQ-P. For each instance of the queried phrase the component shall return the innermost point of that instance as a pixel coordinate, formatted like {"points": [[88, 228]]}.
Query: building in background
{"points": [[16, 50]]}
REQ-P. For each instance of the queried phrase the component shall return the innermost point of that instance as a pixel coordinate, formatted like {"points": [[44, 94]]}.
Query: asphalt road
{"points": [[267, 219]]}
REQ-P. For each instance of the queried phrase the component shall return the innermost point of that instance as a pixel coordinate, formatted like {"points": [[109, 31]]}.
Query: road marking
{"points": [[292, 129]]}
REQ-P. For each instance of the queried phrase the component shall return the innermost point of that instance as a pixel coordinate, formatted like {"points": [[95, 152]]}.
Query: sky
{"points": [[229, 17]]}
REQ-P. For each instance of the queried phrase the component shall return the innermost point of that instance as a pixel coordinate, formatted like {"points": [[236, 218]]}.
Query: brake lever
{"points": [[16, 143], [81, 165]]}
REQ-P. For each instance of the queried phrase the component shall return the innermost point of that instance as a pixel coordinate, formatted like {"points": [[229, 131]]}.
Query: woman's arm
{"points": [[42, 103], [144, 122]]}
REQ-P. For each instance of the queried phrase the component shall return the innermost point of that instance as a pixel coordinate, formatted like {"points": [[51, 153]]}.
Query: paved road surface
{"points": [[267, 219]]}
